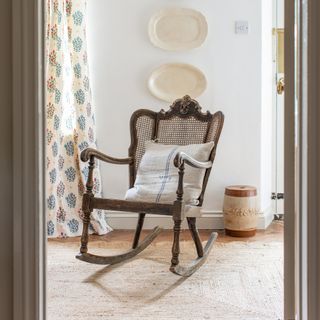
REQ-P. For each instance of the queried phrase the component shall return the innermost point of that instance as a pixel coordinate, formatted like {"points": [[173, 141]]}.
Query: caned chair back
{"points": [[184, 123]]}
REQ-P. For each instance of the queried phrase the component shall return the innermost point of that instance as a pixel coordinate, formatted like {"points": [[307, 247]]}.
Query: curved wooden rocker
{"points": [[96, 259], [197, 263], [167, 128]]}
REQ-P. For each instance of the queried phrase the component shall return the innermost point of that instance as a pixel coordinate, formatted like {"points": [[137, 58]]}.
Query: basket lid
{"points": [[241, 191]]}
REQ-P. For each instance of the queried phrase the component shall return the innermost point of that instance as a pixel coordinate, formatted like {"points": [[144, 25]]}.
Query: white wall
{"points": [[121, 58]]}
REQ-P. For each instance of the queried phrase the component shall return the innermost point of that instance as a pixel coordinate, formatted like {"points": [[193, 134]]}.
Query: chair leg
{"points": [[86, 207], [176, 242], [138, 230], [84, 237], [195, 235]]}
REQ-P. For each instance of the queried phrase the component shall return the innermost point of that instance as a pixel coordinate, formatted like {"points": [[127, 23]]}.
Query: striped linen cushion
{"points": [[157, 177]]}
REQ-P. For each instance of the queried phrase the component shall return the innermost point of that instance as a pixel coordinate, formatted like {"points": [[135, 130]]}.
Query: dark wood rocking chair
{"points": [[183, 124]]}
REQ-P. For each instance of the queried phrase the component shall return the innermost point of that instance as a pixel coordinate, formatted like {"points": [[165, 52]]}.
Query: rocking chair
{"points": [[182, 125]]}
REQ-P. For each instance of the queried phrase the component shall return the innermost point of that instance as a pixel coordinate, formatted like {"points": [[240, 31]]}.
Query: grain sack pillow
{"points": [[157, 177]]}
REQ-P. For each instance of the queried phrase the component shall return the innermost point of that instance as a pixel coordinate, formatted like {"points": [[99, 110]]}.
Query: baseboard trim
{"points": [[265, 218], [208, 220]]}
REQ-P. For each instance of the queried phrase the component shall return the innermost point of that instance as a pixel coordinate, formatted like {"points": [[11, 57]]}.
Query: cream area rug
{"points": [[240, 280]]}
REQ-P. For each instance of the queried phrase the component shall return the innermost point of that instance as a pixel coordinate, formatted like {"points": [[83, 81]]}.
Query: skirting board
{"points": [[209, 220]]}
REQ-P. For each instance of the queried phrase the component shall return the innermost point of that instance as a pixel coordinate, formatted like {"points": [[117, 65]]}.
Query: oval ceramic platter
{"points": [[175, 80], [178, 29]]}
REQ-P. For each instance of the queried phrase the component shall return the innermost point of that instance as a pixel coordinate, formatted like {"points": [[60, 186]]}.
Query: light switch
{"points": [[242, 27]]}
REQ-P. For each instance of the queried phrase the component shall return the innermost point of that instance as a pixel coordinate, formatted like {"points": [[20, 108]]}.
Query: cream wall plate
{"points": [[178, 29], [174, 80]]}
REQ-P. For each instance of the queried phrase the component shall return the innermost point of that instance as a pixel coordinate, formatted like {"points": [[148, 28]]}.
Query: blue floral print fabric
{"points": [[70, 120]]}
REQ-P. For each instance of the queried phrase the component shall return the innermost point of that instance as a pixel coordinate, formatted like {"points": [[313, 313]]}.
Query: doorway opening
{"points": [[240, 59]]}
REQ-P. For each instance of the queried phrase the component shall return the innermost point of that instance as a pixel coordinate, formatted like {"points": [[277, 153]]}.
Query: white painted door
{"points": [[278, 106]]}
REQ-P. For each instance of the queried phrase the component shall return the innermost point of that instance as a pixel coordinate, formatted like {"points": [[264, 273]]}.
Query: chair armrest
{"points": [[182, 158], [179, 160], [89, 152]]}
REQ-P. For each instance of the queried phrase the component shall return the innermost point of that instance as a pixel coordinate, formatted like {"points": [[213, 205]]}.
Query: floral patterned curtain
{"points": [[70, 120]]}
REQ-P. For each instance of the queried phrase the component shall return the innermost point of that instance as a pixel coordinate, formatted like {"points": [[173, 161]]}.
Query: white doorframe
{"points": [[29, 229], [277, 110]]}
